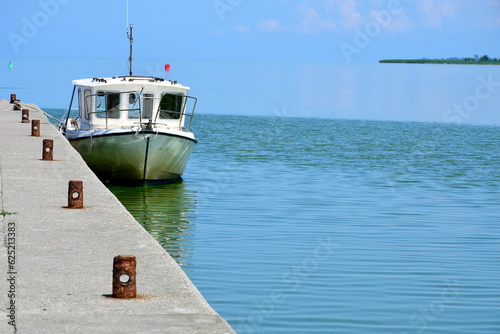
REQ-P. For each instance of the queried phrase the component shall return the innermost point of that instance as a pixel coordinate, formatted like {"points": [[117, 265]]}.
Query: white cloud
{"points": [[350, 17], [328, 16], [400, 22], [242, 28], [270, 26], [309, 21], [312, 21], [434, 11], [495, 3]]}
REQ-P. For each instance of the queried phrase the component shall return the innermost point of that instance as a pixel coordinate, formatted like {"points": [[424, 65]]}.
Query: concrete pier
{"points": [[56, 263]]}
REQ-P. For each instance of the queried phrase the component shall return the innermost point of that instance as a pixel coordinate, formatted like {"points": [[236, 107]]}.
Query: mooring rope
{"points": [[36, 108]]}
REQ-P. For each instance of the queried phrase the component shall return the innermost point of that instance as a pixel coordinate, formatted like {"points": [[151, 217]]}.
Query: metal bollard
{"points": [[17, 105], [75, 195], [13, 97], [35, 128], [48, 148], [124, 276], [25, 116]]}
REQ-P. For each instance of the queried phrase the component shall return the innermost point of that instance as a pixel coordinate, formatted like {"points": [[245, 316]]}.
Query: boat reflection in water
{"points": [[166, 212]]}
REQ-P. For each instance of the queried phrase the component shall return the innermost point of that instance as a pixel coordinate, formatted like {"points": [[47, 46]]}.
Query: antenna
{"points": [[131, 40]]}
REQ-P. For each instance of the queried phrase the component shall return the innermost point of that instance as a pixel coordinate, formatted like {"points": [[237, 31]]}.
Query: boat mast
{"points": [[131, 39]]}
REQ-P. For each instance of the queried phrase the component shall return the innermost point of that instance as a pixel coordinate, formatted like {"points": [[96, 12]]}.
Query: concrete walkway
{"points": [[61, 277]]}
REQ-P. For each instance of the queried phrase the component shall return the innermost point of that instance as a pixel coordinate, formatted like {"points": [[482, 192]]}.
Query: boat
{"points": [[131, 129]]}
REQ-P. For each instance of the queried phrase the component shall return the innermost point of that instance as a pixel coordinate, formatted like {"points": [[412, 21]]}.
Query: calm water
{"points": [[315, 225], [304, 225]]}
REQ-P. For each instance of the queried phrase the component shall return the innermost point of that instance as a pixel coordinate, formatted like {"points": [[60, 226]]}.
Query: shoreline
{"points": [[437, 62]]}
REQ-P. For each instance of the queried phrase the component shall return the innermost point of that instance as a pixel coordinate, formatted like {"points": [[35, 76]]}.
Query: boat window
{"points": [[80, 105], [88, 102], [134, 108], [171, 106], [147, 106], [101, 105], [108, 102]]}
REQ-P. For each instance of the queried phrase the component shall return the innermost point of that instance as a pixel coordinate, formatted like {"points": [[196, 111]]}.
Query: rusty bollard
{"points": [[13, 98], [17, 105], [25, 116], [48, 148], [124, 276], [75, 195], [35, 128]]}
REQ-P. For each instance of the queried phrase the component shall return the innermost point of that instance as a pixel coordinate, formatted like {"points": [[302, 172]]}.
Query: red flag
{"points": [[167, 67]]}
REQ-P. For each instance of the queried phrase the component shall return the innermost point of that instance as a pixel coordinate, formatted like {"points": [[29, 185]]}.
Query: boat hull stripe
{"points": [[132, 132]]}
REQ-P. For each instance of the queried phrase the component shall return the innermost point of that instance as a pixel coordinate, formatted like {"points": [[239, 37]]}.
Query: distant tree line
{"points": [[484, 60]]}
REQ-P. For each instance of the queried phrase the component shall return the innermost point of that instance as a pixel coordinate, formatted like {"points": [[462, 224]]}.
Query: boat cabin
{"points": [[131, 102]]}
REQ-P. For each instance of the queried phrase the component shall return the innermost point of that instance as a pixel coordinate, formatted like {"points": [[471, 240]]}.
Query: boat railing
{"points": [[107, 112], [184, 116], [187, 117], [64, 122]]}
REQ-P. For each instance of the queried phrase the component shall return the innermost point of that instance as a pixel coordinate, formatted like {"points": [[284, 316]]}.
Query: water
{"points": [[316, 225]]}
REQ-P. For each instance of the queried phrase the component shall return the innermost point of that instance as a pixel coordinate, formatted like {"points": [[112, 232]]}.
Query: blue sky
{"points": [[294, 30], [62, 40]]}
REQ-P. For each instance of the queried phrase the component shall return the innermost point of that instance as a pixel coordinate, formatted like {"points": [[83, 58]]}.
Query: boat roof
{"points": [[129, 80]]}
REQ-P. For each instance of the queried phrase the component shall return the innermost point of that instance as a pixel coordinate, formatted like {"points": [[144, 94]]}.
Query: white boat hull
{"points": [[127, 156]]}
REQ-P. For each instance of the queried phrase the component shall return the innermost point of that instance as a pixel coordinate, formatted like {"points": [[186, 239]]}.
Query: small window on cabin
{"points": [[134, 107], [100, 107], [147, 106], [108, 103], [87, 101], [80, 105], [171, 106], [113, 105]]}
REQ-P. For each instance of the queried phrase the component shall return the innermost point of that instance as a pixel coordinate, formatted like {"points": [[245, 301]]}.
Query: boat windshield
{"points": [[134, 106], [124, 108], [108, 105], [171, 106]]}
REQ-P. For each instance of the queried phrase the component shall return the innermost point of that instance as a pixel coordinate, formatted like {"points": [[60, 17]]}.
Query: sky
{"points": [[55, 33], [289, 30]]}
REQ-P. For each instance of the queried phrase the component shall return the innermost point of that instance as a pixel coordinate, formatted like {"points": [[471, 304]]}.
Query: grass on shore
{"points": [[441, 61]]}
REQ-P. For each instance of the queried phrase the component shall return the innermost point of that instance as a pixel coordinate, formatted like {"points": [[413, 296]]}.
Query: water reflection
{"points": [[167, 212]]}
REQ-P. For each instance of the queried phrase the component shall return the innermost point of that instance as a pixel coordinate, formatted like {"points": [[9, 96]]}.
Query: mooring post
{"points": [[124, 276], [48, 148], [25, 116], [35, 128], [13, 98], [75, 194], [17, 105]]}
